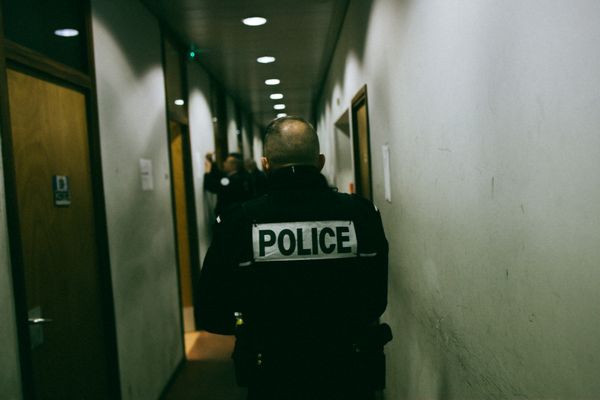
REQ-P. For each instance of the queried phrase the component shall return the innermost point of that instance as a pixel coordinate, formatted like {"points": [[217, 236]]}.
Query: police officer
{"points": [[231, 185], [300, 276], [258, 179]]}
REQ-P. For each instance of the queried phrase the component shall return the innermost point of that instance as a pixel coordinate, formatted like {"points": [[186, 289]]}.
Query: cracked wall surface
{"points": [[490, 111]]}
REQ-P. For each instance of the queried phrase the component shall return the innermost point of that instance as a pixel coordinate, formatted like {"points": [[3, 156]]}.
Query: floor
{"points": [[208, 373]]}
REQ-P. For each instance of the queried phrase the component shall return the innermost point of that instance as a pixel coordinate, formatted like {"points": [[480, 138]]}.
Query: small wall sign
{"points": [[387, 173], [146, 175], [62, 193]]}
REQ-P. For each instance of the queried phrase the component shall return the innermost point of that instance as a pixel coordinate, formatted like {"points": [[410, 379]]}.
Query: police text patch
{"points": [[309, 240]]}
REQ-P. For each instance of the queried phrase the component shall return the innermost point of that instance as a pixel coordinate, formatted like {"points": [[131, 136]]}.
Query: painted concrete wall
{"points": [[257, 145], [10, 378], [233, 133], [491, 110], [133, 126], [202, 142], [247, 137], [341, 158]]}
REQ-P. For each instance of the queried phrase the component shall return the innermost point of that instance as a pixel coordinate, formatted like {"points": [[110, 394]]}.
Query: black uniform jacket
{"points": [[305, 265], [230, 189]]}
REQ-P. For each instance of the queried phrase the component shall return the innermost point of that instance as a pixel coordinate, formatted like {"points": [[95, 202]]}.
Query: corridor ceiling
{"points": [[300, 34]]}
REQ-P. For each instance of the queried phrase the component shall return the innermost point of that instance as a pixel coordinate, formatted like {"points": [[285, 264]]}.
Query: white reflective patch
{"points": [[225, 181], [309, 240]]}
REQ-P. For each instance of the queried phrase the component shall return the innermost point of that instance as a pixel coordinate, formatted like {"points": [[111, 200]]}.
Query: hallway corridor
{"points": [[472, 126], [208, 373]]}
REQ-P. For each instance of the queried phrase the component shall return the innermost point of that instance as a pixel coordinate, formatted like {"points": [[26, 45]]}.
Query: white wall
{"points": [[247, 137], [257, 145], [341, 158], [10, 378], [133, 126], [202, 142], [232, 128], [491, 110]]}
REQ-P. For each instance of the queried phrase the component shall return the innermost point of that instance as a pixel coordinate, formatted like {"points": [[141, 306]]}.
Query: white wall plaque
{"points": [[146, 174], [386, 172]]}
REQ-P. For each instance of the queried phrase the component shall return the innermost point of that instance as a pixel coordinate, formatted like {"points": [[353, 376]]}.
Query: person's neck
{"points": [[292, 165], [294, 169]]}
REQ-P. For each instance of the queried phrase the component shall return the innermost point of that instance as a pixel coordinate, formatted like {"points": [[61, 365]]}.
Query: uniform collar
{"points": [[297, 177]]}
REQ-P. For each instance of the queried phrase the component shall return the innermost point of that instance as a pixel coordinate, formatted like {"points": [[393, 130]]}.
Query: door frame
{"points": [[358, 101], [192, 221], [169, 38], [28, 61]]}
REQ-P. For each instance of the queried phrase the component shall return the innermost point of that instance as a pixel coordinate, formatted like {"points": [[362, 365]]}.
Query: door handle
{"points": [[38, 321]]}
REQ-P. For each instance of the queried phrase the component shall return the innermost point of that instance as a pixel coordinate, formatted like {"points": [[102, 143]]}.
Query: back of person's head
{"points": [[289, 141], [250, 165], [238, 156], [233, 163]]}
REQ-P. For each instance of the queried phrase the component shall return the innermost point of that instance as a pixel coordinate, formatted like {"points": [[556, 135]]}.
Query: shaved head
{"points": [[291, 141]]}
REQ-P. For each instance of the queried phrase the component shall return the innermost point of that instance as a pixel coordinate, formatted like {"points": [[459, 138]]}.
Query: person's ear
{"points": [[265, 164], [321, 162]]}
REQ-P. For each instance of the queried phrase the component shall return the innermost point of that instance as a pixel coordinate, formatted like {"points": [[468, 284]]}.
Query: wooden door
{"points": [[181, 219], [362, 152], [59, 252]]}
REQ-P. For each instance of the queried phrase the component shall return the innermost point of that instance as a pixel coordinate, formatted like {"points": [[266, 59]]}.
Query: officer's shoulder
{"points": [[257, 203], [357, 201], [231, 215], [241, 211]]}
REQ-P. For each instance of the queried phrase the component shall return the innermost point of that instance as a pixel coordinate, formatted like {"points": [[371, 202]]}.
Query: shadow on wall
{"points": [[115, 19], [417, 357], [360, 21], [357, 21], [418, 366]]}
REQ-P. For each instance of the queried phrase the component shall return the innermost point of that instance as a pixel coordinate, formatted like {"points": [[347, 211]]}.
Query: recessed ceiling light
{"points": [[272, 82], [68, 32], [276, 96], [281, 115], [254, 21], [179, 102], [279, 106], [265, 59]]}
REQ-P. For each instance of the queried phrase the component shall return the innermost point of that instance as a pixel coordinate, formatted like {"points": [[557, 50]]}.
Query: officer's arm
{"points": [[376, 280], [212, 180], [216, 287]]}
